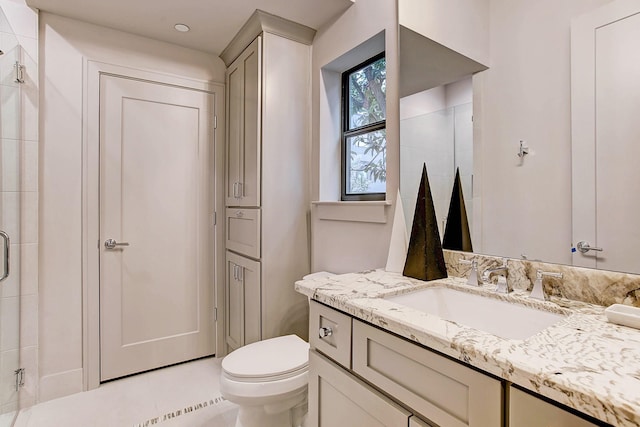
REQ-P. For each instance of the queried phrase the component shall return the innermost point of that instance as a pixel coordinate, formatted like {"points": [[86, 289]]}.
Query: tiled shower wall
{"points": [[19, 199]]}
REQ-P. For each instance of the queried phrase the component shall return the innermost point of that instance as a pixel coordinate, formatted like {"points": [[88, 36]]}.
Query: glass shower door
{"points": [[10, 200]]}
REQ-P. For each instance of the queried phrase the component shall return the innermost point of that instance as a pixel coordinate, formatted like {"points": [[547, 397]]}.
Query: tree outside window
{"points": [[364, 143]]}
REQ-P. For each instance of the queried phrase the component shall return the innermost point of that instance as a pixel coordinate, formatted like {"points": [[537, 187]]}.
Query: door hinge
{"points": [[19, 378], [215, 122], [215, 314]]}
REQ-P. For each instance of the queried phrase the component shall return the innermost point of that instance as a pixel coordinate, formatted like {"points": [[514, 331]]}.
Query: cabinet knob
{"points": [[325, 332]]}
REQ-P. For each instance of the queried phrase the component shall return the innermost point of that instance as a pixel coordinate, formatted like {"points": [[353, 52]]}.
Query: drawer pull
{"points": [[239, 214], [325, 332]]}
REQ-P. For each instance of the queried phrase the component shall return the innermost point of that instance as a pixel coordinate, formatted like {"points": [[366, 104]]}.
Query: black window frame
{"points": [[348, 133]]}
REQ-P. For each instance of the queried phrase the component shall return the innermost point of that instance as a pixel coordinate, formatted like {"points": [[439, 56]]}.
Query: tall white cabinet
{"points": [[267, 181]]}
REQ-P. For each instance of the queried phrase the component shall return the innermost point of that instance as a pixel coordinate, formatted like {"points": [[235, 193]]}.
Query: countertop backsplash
{"points": [[588, 285]]}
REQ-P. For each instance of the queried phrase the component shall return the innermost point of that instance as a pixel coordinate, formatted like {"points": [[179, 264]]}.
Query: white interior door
{"points": [[606, 136], [156, 287]]}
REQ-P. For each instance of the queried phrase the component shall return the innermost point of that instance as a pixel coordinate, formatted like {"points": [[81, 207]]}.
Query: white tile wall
{"points": [[21, 20], [19, 203]]}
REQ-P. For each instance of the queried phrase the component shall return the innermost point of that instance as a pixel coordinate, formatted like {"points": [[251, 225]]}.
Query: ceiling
{"points": [[213, 23]]}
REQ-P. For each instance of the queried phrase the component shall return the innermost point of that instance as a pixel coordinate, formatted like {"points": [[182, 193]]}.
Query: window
{"points": [[364, 140]]}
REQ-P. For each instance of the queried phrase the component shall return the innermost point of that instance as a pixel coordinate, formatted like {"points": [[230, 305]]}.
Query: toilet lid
{"points": [[275, 357]]}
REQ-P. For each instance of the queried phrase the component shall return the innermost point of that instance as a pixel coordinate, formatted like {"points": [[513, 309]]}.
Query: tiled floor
{"points": [[184, 395]]}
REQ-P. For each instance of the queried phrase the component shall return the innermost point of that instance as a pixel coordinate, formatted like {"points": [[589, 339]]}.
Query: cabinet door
{"points": [[445, 392], [244, 83], [242, 301], [526, 410], [417, 422], [337, 398]]}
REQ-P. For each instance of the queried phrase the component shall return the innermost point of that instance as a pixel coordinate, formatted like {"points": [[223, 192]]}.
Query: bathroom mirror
{"points": [[521, 206]]}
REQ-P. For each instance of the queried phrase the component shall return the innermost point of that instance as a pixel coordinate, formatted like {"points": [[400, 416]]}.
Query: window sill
{"points": [[361, 211]]}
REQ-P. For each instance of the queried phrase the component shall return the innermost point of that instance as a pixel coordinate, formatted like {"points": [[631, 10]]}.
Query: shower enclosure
{"points": [[443, 140], [11, 154]]}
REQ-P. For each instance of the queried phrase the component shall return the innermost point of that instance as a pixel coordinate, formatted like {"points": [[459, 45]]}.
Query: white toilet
{"points": [[268, 381]]}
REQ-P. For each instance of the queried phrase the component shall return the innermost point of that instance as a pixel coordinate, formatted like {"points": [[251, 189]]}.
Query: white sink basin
{"points": [[506, 320]]}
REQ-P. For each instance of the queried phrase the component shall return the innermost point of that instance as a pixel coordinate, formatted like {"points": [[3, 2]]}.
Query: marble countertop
{"points": [[583, 361]]}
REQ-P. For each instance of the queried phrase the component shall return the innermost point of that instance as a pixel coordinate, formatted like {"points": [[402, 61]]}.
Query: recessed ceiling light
{"points": [[182, 28]]}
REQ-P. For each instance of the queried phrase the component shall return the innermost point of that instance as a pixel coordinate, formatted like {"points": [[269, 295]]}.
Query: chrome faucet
{"points": [[538, 290], [472, 280], [503, 285]]}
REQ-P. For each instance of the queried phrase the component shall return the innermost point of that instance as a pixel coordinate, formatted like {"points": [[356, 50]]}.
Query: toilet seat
{"points": [[266, 372], [274, 359]]}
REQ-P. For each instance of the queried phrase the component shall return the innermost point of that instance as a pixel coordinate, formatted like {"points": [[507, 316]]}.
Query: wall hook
{"points": [[524, 149]]}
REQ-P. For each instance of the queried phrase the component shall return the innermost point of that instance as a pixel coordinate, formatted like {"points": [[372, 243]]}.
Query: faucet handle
{"points": [[502, 286], [540, 274], [538, 290], [472, 280], [472, 262]]}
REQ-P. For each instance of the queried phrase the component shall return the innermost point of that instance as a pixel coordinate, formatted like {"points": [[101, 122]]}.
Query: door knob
{"points": [[112, 244], [585, 247]]}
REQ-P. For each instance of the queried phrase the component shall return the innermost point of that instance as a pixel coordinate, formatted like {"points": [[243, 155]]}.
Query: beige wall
{"points": [[354, 243], [65, 45], [525, 94], [460, 25]]}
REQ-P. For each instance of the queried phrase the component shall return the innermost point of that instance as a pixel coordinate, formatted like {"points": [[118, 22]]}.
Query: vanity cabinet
{"points": [[359, 373], [526, 410], [266, 236], [434, 390]]}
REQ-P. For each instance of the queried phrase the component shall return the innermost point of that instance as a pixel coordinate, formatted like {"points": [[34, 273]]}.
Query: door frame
{"points": [[92, 70]]}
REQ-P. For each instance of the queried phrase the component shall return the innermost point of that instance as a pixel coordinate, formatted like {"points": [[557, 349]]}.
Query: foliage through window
{"points": [[364, 142]]}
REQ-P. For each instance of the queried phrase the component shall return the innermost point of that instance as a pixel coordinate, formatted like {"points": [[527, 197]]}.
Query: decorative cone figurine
{"points": [[399, 240], [456, 233], [425, 260]]}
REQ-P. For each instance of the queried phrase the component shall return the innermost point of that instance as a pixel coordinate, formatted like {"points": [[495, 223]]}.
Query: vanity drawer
{"points": [[335, 328], [442, 391], [243, 231]]}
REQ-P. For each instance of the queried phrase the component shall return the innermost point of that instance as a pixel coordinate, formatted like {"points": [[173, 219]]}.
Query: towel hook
{"points": [[524, 149]]}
